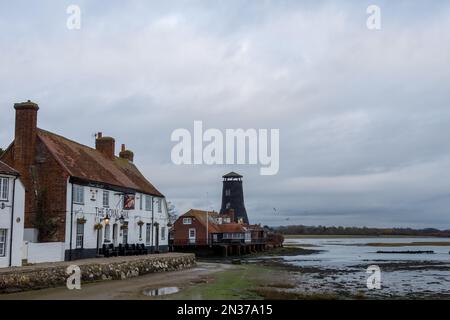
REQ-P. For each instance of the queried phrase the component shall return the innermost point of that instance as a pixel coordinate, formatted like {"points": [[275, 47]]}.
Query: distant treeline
{"points": [[363, 231]]}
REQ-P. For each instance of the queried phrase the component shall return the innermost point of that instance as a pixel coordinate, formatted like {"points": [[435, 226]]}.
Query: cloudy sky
{"points": [[364, 116]]}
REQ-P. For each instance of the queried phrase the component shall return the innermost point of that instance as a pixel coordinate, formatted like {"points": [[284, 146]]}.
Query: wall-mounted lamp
{"points": [[107, 219]]}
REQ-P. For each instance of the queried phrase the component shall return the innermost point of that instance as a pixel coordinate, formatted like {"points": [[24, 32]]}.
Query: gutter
{"points": [[12, 223]]}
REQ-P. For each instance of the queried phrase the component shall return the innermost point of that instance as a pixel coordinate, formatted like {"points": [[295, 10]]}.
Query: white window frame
{"points": [[159, 204], [187, 220], [148, 203], [105, 197], [3, 242], [107, 234], [148, 233], [79, 240], [78, 194], [4, 189], [163, 233]]}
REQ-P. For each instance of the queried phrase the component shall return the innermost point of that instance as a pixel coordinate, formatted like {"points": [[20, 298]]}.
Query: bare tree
{"points": [[173, 215]]}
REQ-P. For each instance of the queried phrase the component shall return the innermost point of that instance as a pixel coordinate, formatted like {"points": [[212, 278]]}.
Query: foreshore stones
{"points": [[46, 276]]}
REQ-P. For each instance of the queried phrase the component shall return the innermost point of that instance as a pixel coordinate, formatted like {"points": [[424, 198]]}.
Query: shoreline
{"points": [[264, 275]]}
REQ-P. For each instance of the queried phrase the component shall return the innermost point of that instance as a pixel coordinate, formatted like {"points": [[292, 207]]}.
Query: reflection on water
{"points": [[346, 260], [160, 291]]}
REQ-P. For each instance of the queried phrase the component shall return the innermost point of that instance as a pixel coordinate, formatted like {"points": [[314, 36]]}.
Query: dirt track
{"points": [[126, 289]]}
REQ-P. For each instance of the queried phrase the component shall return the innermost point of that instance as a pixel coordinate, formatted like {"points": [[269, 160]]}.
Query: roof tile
{"points": [[89, 164]]}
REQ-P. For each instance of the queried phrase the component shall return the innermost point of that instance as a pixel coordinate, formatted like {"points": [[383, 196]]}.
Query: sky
{"points": [[364, 115]]}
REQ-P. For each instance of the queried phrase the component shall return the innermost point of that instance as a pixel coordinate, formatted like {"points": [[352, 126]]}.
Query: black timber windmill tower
{"points": [[233, 197]]}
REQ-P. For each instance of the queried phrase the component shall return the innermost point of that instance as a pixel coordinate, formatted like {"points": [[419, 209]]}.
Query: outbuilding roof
{"points": [[5, 169], [214, 227]]}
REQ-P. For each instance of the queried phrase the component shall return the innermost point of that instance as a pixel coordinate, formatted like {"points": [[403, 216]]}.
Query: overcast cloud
{"points": [[364, 116]]}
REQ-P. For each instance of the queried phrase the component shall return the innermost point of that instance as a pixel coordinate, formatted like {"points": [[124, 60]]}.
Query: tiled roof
{"points": [[213, 227], [200, 215], [5, 169], [231, 227], [89, 164]]}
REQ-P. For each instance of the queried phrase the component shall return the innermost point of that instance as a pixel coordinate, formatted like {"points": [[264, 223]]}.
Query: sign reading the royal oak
{"points": [[112, 213]]}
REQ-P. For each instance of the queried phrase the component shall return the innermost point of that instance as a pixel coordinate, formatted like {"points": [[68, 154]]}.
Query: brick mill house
{"points": [[12, 201], [78, 198]]}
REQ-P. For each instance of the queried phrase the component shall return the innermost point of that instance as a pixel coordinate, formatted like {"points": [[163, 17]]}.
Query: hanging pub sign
{"points": [[128, 203]]}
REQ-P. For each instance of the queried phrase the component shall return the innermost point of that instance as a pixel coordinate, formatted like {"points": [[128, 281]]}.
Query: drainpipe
{"points": [[153, 210], [12, 223], [71, 225]]}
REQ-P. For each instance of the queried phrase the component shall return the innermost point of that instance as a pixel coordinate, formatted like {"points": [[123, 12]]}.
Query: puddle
{"points": [[160, 291]]}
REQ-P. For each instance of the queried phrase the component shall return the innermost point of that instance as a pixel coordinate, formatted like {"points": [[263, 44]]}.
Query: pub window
{"points": [[2, 242], [4, 186], [78, 194], [228, 192], [80, 235], [148, 203], [163, 233], [107, 233], [148, 233], [106, 199], [125, 235], [159, 204]]}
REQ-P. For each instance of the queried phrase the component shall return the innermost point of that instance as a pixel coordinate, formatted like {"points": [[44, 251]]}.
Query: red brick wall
{"points": [[25, 133], [51, 182], [106, 145], [181, 231], [45, 178]]}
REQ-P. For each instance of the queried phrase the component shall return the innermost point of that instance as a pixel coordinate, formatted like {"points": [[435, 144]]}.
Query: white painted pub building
{"points": [[80, 198]]}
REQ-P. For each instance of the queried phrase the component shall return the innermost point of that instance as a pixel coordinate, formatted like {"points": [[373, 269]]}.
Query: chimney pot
{"points": [[123, 147]]}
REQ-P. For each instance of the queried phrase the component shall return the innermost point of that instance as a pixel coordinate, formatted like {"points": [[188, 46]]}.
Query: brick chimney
{"points": [[126, 154], [25, 133], [105, 145]]}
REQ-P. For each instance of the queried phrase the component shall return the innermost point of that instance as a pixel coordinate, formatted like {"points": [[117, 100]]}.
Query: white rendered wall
{"points": [[18, 220], [88, 211]]}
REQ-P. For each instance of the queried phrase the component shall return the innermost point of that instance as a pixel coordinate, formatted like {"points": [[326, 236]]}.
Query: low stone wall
{"points": [[117, 268]]}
